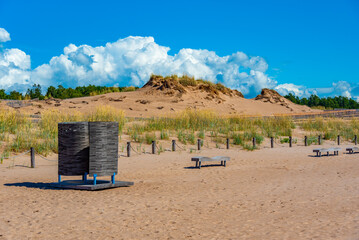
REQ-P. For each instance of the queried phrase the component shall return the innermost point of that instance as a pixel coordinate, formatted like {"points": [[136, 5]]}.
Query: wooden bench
{"points": [[319, 151], [201, 159], [352, 149]]}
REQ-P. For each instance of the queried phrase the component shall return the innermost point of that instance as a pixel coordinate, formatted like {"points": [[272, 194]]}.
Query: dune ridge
{"points": [[164, 95]]}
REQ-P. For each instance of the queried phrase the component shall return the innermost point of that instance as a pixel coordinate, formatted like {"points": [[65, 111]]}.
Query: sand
{"points": [[150, 102], [280, 193]]}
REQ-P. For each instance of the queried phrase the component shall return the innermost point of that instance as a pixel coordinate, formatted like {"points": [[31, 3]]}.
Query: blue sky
{"points": [[308, 46]]}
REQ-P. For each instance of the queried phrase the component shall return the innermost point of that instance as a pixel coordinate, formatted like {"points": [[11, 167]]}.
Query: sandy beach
{"points": [[280, 193], [104, 104]]}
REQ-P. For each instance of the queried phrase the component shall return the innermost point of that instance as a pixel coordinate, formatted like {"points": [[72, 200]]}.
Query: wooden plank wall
{"points": [[103, 148], [73, 148]]}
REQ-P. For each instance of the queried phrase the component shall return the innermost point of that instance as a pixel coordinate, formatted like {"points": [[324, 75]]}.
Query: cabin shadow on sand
{"points": [[38, 185]]}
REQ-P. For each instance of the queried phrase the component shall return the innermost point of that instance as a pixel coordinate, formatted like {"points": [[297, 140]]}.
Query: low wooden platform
{"points": [[352, 150], [319, 151], [200, 159], [88, 185]]}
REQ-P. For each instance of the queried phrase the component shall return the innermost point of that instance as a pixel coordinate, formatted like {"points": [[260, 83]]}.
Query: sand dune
{"points": [[280, 193], [162, 97]]}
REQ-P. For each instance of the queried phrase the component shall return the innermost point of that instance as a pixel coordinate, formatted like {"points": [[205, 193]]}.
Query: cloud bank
{"points": [[131, 61], [340, 88]]}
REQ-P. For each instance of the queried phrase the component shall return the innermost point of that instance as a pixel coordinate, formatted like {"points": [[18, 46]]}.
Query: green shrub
{"points": [[200, 134], [286, 140], [182, 137], [149, 137], [185, 137], [191, 138], [249, 147], [312, 140], [164, 135], [237, 139]]}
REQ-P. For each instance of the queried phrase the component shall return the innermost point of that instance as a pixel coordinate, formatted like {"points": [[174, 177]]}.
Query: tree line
{"points": [[325, 102], [35, 92]]}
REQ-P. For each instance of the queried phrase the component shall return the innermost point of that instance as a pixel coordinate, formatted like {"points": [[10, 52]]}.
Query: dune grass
{"points": [[191, 124], [18, 133], [311, 139], [330, 128]]}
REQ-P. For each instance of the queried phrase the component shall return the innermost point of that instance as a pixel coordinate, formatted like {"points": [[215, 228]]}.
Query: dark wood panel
{"points": [[103, 157], [73, 147]]}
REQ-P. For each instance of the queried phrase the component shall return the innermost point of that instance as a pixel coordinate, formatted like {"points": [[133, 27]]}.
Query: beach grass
{"points": [[18, 133], [330, 128]]}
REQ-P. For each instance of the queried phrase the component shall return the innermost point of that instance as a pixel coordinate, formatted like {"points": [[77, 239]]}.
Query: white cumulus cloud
{"points": [[286, 88], [340, 88], [131, 61], [4, 35], [14, 69]]}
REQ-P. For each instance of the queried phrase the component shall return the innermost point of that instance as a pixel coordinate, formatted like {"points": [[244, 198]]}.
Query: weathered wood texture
{"points": [[128, 149], [352, 149], [32, 153], [103, 148], [73, 147], [319, 151], [173, 145], [200, 159]]}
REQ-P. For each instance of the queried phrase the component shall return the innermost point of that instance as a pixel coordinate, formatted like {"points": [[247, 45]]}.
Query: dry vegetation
{"points": [[18, 133], [185, 81], [332, 127]]}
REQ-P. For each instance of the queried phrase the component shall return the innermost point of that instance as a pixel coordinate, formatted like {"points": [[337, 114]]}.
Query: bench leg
{"points": [[327, 153], [221, 163], [196, 164], [320, 154], [225, 163], [199, 165]]}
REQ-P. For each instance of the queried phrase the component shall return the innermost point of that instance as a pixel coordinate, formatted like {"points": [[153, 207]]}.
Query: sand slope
{"points": [[162, 97]]}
